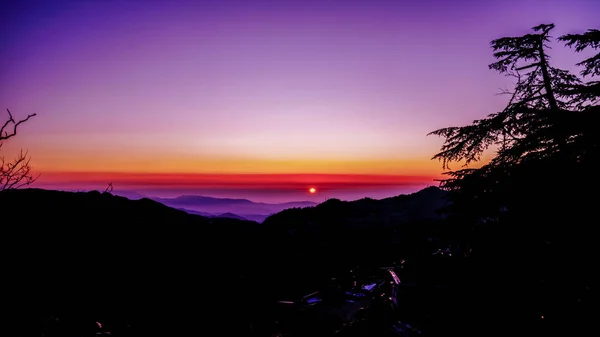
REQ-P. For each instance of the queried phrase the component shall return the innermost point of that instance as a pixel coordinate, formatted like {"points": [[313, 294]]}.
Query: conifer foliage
{"points": [[544, 136]]}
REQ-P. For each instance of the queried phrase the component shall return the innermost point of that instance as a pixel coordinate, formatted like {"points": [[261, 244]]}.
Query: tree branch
{"points": [[16, 173], [4, 134]]}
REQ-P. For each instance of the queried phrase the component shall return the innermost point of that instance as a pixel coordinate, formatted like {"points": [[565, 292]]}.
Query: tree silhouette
{"points": [[545, 127], [590, 92], [589, 39], [529, 209], [15, 173]]}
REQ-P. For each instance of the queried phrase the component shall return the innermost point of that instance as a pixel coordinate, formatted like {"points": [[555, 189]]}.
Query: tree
{"points": [[589, 39], [15, 173], [546, 128], [531, 208]]}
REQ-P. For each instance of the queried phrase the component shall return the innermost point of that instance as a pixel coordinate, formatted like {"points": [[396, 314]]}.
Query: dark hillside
{"points": [[90, 255], [318, 242]]}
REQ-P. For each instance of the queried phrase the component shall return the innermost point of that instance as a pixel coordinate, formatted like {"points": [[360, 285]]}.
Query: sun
{"points": [[312, 190]]}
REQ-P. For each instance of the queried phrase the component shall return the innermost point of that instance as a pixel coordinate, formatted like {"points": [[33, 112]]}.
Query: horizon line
{"points": [[153, 197], [233, 173], [232, 180]]}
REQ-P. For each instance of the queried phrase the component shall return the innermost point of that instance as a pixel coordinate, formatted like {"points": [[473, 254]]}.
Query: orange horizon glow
{"points": [[165, 162], [256, 187], [216, 180], [249, 96]]}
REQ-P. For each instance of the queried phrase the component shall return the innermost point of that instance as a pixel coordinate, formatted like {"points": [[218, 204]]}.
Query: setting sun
{"points": [[312, 190]]}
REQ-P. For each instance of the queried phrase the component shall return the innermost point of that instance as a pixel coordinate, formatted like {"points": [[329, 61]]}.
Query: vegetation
{"points": [[15, 173], [530, 208], [513, 255], [546, 131]]}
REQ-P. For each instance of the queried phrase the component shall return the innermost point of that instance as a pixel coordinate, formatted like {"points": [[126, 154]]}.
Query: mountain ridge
{"points": [[244, 208], [197, 198]]}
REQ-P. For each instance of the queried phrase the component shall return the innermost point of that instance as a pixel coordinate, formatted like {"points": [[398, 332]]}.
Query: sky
{"points": [[257, 99]]}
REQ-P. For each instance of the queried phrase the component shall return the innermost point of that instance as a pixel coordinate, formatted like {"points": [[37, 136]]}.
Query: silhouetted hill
{"points": [[230, 215], [419, 206], [252, 217], [255, 217], [161, 271], [132, 195], [90, 255], [202, 200], [204, 214], [335, 235]]}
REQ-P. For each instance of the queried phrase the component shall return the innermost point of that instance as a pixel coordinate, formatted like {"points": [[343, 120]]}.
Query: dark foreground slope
{"points": [[142, 268], [495, 278], [137, 265], [336, 236]]}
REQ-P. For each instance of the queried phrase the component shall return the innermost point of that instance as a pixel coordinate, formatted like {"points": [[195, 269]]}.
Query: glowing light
{"points": [[312, 190]]}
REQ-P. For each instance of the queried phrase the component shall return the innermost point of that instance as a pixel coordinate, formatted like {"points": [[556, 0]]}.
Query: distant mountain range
{"points": [[211, 207], [242, 209]]}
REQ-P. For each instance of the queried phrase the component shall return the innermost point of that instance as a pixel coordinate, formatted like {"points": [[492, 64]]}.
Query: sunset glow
{"points": [[222, 95], [334, 168]]}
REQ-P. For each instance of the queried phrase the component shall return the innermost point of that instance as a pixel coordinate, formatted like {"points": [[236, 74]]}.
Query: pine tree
{"points": [[532, 208], [544, 129], [588, 94]]}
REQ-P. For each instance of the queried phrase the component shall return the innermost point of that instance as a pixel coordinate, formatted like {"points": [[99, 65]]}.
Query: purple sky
{"points": [[340, 87]]}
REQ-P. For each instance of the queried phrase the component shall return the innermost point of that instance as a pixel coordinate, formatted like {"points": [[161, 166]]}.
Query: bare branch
{"points": [[4, 133], [16, 173]]}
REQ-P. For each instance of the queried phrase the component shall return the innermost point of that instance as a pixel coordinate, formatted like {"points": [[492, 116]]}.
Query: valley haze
{"points": [[226, 207], [238, 208]]}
